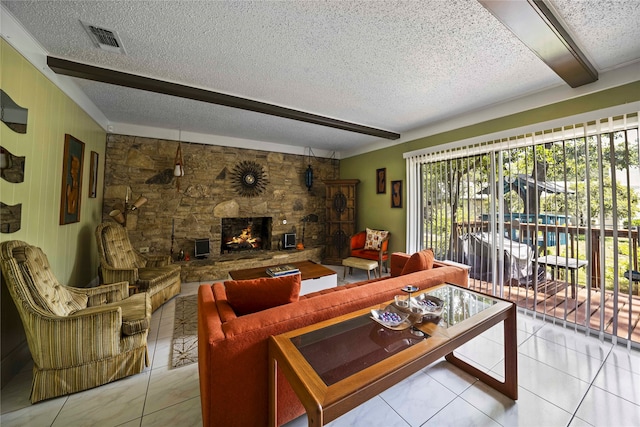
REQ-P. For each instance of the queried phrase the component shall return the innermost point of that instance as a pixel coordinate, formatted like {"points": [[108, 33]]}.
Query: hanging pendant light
{"points": [[308, 177], [178, 170], [308, 174]]}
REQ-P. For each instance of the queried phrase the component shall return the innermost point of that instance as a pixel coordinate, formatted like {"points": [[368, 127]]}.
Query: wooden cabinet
{"points": [[340, 205]]}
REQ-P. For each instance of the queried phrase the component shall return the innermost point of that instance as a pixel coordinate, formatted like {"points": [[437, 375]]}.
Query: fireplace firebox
{"points": [[245, 234]]}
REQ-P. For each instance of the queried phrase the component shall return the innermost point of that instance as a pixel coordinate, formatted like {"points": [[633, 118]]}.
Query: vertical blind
{"points": [[547, 217]]}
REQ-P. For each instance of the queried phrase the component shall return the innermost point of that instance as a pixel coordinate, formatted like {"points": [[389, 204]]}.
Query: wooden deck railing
{"points": [[546, 236]]}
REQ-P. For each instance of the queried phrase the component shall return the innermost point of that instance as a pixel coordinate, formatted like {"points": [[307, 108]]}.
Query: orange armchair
{"points": [[376, 247]]}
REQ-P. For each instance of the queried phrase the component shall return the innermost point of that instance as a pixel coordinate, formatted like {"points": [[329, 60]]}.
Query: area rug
{"points": [[184, 346]]}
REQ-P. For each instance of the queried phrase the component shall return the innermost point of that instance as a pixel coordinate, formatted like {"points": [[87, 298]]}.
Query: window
{"points": [[548, 218]]}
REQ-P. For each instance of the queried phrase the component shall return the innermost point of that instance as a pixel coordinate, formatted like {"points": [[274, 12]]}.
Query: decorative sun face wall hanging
{"points": [[249, 179]]}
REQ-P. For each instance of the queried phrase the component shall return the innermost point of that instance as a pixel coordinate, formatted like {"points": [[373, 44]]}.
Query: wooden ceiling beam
{"points": [[534, 24], [104, 75]]}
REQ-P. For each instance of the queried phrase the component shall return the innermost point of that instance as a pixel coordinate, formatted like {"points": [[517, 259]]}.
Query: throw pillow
{"points": [[250, 296], [422, 260], [374, 239]]}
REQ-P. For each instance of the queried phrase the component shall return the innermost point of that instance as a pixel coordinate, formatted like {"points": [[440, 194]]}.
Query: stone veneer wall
{"points": [[207, 193]]}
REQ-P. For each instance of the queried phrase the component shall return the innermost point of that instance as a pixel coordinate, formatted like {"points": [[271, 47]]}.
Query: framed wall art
{"points": [[93, 175], [396, 194], [71, 180], [381, 181]]}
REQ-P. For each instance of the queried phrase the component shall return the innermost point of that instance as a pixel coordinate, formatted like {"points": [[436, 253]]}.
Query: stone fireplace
{"points": [[245, 234], [173, 218]]}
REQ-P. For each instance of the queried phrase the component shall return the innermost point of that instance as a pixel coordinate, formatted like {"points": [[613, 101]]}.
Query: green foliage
{"points": [[576, 204], [459, 190], [571, 161], [623, 250], [610, 255]]}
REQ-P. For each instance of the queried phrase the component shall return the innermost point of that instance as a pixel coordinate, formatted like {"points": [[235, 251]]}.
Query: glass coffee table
{"points": [[335, 365]]}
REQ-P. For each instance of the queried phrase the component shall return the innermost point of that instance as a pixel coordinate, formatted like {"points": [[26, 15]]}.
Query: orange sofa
{"points": [[233, 350]]}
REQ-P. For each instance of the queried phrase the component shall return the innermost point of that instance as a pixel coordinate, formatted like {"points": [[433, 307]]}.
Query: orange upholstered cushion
{"points": [[422, 260], [249, 296], [357, 240]]}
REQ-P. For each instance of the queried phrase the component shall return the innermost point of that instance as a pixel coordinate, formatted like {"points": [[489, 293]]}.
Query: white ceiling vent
{"points": [[103, 38]]}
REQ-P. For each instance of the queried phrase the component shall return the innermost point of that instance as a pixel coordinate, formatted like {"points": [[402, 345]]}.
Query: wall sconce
{"points": [[120, 211], [178, 170]]}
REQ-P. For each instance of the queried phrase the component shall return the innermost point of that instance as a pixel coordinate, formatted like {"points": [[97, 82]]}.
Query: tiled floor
{"points": [[565, 379]]}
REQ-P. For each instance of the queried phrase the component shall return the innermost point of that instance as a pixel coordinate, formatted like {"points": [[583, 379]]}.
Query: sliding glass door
{"points": [[549, 219]]}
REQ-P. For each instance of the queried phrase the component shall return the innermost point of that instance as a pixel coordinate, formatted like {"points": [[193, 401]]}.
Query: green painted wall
{"points": [[374, 210], [52, 114], [71, 248]]}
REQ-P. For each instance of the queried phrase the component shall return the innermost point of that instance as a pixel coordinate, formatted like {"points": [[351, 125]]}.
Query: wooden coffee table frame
{"points": [[308, 270], [326, 403], [314, 276]]}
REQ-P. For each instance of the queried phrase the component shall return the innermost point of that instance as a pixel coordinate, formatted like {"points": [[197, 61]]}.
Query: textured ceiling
{"points": [[397, 66]]}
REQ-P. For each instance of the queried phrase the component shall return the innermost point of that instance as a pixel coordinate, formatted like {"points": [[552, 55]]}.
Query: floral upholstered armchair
{"points": [[79, 338], [371, 244], [120, 262]]}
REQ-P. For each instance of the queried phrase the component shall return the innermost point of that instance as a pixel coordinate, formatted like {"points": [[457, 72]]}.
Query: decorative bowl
{"points": [[389, 316], [429, 303]]}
